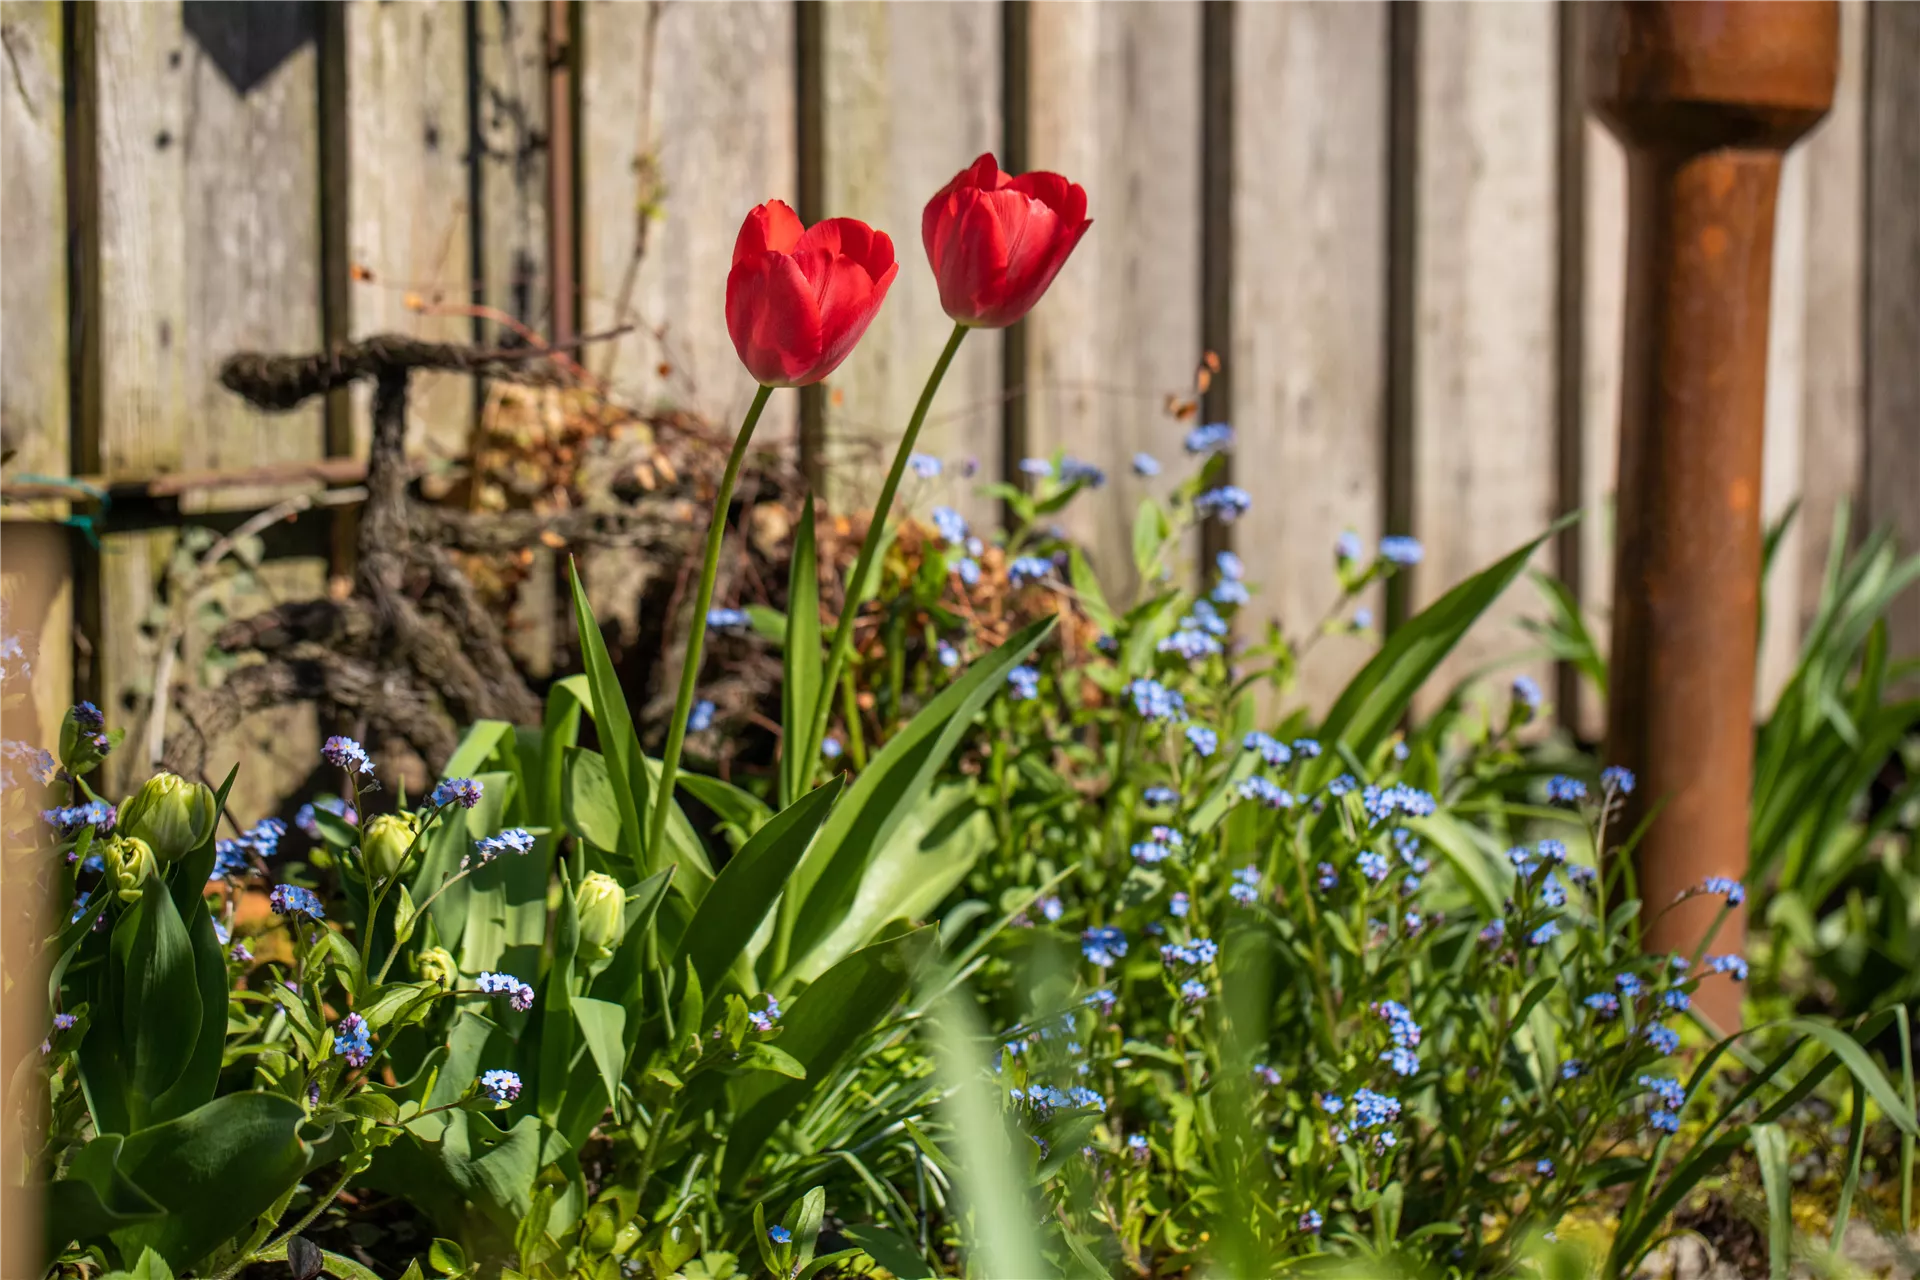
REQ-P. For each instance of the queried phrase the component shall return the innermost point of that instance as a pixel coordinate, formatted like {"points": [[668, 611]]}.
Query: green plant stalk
{"points": [[697, 631], [843, 629]]}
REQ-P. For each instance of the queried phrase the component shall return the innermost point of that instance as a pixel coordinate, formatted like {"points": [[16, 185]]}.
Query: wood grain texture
{"points": [[1309, 310], [511, 131], [912, 95], [721, 109], [36, 596], [207, 231], [409, 213], [1115, 105], [33, 243], [1893, 293], [617, 177], [1483, 467], [1833, 428]]}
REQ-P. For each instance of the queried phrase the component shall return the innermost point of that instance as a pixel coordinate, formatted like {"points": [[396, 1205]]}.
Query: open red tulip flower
{"points": [[798, 298], [996, 241]]}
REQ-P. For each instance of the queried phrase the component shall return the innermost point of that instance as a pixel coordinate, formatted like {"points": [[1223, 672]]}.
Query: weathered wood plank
{"points": [[617, 181], [1115, 104], [206, 226], [409, 214], [1893, 292], [1833, 431], [912, 95], [33, 243], [36, 597], [1309, 308], [1483, 467], [510, 147], [1780, 481], [1603, 302], [720, 108]]}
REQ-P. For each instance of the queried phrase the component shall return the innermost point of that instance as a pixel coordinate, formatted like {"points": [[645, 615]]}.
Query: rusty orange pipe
{"points": [[1706, 98]]}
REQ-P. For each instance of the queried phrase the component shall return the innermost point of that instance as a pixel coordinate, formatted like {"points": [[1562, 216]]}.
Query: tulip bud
{"points": [[172, 815], [600, 902], [131, 863], [436, 965], [384, 843]]}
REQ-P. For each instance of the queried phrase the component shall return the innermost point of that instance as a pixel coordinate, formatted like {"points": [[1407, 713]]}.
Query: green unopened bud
{"points": [[384, 842], [404, 917], [172, 815], [601, 902], [436, 965], [131, 863]]}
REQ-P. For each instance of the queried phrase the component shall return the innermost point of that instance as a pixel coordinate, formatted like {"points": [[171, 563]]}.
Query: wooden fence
{"points": [[1395, 224]]}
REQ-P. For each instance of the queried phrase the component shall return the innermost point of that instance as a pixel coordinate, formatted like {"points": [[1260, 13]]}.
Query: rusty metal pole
{"points": [[1706, 97]]}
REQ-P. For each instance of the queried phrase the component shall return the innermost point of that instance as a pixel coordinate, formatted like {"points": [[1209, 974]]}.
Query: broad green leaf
{"points": [[1150, 530], [1770, 1152], [214, 1170], [801, 659], [148, 1266], [894, 783], [556, 1013], [188, 882], [730, 803], [333, 1264], [95, 1197], [1375, 700], [476, 748], [603, 1026], [196, 1085], [507, 898], [894, 1252], [924, 858], [990, 1179], [618, 742], [1486, 877], [824, 1025], [587, 800], [160, 1011], [760, 1056], [808, 1216], [748, 886], [1087, 587], [1861, 1064]]}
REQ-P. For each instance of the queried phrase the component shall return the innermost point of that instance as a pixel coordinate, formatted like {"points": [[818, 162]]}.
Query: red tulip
{"points": [[996, 242], [798, 300]]}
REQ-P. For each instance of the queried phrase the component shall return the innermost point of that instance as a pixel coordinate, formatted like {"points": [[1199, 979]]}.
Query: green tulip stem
{"points": [[856, 585], [697, 632]]}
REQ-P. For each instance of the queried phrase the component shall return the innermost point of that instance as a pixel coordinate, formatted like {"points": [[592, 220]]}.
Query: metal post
{"points": [[1706, 97]]}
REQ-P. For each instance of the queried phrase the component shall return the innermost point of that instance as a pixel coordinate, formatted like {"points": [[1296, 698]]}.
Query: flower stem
{"points": [[843, 630], [696, 637]]}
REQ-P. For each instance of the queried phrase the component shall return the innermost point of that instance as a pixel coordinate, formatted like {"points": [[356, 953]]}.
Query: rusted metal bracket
{"points": [[1707, 98]]}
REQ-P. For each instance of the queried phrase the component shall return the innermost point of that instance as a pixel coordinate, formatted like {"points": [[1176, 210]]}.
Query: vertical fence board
{"points": [[1781, 480], [720, 101], [36, 598], [207, 235], [912, 95], [1309, 307], [33, 241], [511, 130], [1603, 301], [1893, 292], [408, 208], [617, 181], [1483, 479], [1114, 104], [1834, 426]]}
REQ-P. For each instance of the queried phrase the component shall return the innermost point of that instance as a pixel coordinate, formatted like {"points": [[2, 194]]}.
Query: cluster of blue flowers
{"points": [[764, 1019], [230, 856], [1203, 740], [700, 719], [1245, 888], [1564, 790], [1732, 890], [1276, 753], [502, 1086], [71, 819], [731, 620], [924, 465], [1028, 569], [1383, 804], [950, 525], [1074, 471], [464, 792], [1154, 701], [1026, 683], [1162, 842], [512, 840], [351, 1040], [287, 899], [1266, 791], [1405, 1034], [310, 825], [1401, 550], [519, 995], [1228, 503], [1209, 438], [1669, 1097], [1195, 954], [1160, 797], [344, 753], [1103, 946], [1145, 465]]}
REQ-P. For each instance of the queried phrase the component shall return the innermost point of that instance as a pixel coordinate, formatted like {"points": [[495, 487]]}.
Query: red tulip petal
{"points": [[1030, 227], [773, 319], [853, 238], [768, 227], [970, 255], [844, 290]]}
